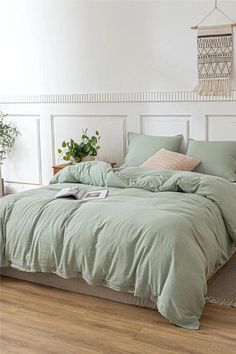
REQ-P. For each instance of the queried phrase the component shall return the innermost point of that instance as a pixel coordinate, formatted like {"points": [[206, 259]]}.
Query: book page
{"points": [[95, 195]]}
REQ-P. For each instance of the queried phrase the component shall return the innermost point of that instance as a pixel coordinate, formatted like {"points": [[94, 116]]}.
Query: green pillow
{"points": [[141, 147], [218, 158]]}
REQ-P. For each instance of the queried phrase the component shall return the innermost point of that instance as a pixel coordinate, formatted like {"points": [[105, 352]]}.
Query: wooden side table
{"points": [[57, 168]]}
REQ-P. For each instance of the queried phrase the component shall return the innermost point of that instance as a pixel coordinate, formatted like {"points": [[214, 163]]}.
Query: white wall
{"points": [[70, 46], [129, 47]]}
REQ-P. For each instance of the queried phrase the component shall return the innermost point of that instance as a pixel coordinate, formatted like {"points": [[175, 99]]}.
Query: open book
{"points": [[77, 193]]}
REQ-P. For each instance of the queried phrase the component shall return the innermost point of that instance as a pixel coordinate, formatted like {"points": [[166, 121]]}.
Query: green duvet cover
{"points": [[160, 234]]}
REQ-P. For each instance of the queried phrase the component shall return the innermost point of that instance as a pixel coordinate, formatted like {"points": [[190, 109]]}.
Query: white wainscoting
{"points": [[220, 127], [111, 127], [44, 126], [23, 166], [166, 125]]}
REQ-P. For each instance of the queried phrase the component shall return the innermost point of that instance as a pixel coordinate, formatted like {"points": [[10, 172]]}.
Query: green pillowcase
{"points": [[218, 158], [141, 147]]}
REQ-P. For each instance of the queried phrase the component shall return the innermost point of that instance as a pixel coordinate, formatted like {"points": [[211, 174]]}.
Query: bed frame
{"points": [[78, 285]]}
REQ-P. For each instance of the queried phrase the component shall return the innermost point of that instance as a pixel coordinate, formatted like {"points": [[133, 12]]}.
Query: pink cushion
{"points": [[169, 160]]}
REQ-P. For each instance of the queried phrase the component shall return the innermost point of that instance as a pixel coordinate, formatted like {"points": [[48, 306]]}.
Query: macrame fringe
{"points": [[213, 87], [220, 301]]}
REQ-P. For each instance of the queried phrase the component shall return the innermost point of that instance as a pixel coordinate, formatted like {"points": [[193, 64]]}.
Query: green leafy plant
{"points": [[8, 134], [75, 152]]}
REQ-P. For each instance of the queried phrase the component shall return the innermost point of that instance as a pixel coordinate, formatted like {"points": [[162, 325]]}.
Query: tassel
{"points": [[220, 301], [213, 87]]}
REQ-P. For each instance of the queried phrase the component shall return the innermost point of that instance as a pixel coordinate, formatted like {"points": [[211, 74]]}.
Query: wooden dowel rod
{"points": [[196, 27]]}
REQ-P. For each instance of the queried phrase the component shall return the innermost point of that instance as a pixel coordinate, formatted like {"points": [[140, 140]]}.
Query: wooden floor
{"points": [[39, 319]]}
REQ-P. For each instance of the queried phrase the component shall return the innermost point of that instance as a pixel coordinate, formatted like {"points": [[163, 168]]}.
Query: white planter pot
{"points": [[1, 184], [88, 158]]}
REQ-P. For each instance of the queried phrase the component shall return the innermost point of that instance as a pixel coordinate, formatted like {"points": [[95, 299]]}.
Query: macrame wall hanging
{"points": [[215, 52]]}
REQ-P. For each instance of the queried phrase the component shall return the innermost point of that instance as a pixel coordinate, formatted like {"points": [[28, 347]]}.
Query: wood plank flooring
{"points": [[36, 319]]}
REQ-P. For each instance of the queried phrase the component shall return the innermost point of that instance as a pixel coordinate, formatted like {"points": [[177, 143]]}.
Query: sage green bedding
{"points": [[159, 234], [142, 147], [218, 158]]}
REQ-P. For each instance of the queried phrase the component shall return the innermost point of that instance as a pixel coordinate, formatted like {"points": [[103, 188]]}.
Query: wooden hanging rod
{"points": [[196, 27]]}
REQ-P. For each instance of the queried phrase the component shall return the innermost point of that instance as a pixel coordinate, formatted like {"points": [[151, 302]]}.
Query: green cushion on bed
{"points": [[141, 147], [218, 158]]}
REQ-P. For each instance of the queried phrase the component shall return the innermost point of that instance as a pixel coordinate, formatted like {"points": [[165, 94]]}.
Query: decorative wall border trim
{"points": [[158, 96]]}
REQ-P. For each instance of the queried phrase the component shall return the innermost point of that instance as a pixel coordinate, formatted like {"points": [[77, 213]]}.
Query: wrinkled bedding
{"points": [[159, 234]]}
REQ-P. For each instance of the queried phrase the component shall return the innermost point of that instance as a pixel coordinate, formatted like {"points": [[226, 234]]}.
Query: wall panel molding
{"points": [[170, 124], [113, 141], [116, 97], [44, 126], [18, 161], [177, 121], [220, 127]]}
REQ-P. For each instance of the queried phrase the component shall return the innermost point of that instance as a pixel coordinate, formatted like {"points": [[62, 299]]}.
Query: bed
{"points": [[154, 241]]}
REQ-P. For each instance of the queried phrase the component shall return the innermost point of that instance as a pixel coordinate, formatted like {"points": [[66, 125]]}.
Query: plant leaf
{"points": [[94, 140]]}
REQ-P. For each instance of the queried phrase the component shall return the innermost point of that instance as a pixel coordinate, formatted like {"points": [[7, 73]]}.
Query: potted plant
{"points": [[87, 149], [8, 134]]}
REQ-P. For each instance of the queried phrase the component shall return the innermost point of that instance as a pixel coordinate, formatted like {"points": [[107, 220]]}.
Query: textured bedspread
{"points": [[160, 234]]}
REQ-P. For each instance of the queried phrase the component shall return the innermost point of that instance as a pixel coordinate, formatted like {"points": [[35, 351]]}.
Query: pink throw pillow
{"points": [[169, 160]]}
